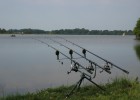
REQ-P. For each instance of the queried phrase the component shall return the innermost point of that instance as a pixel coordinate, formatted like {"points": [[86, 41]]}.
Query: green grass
{"points": [[119, 89]]}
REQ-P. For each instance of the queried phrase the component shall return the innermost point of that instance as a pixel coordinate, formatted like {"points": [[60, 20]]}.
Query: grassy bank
{"points": [[119, 89]]}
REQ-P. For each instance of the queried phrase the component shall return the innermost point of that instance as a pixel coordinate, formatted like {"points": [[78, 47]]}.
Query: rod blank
{"points": [[62, 54], [125, 71], [81, 55]]}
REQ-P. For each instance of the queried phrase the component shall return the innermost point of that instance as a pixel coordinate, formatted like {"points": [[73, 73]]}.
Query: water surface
{"points": [[28, 65]]}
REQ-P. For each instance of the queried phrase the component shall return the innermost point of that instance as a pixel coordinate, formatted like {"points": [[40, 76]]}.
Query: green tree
{"points": [[137, 49], [2, 30], [136, 30]]}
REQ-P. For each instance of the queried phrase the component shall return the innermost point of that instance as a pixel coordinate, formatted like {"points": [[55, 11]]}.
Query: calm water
{"points": [[28, 65]]}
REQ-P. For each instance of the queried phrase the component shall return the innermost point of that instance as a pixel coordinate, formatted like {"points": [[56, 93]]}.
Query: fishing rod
{"points": [[76, 64], [107, 69], [84, 52], [74, 68]]}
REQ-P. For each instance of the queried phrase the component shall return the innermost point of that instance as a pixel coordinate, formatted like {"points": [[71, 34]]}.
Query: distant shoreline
{"points": [[57, 34], [75, 31]]}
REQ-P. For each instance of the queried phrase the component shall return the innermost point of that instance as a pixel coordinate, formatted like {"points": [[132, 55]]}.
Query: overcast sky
{"points": [[69, 14]]}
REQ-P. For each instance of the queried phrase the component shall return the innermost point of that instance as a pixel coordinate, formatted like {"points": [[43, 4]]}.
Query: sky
{"points": [[69, 14]]}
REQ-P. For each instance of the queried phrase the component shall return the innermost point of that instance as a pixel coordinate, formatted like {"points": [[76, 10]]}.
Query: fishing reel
{"points": [[90, 67], [107, 67], [74, 68]]}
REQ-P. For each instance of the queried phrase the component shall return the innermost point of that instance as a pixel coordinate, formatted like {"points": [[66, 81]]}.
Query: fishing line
{"points": [[85, 50]]}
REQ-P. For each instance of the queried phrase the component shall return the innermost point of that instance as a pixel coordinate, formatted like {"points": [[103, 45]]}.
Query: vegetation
{"points": [[119, 89], [83, 31], [27, 31], [136, 30], [137, 49], [76, 31], [2, 30]]}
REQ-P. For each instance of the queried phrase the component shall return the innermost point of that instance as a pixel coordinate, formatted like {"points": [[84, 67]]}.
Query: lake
{"points": [[27, 65]]}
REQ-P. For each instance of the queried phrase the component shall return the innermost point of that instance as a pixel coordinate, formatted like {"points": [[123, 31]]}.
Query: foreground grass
{"points": [[119, 89]]}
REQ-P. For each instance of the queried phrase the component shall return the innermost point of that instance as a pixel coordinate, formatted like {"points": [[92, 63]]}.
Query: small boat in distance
{"points": [[123, 34], [13, 35]]}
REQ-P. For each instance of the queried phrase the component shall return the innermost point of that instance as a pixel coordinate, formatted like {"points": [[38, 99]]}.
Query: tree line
{"points": [[2, 30], [83, 31], [76, 31], [136, 29]]}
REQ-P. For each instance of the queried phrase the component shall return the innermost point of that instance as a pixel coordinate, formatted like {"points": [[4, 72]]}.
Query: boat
{"points": [[13, 35], [123, 34]]}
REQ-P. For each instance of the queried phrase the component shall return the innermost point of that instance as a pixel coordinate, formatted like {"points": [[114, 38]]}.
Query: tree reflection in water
{"points": [[137, 49]]}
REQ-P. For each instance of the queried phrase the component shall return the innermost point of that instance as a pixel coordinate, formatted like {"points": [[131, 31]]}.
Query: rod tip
{"points": [[126, 71]]}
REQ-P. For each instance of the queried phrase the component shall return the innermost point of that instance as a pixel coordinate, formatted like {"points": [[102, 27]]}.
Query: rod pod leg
{"points": [[95, 84], [76, 86], [79, 83]]}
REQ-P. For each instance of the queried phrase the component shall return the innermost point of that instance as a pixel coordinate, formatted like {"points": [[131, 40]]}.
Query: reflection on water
{"points": [[137, 49]]}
